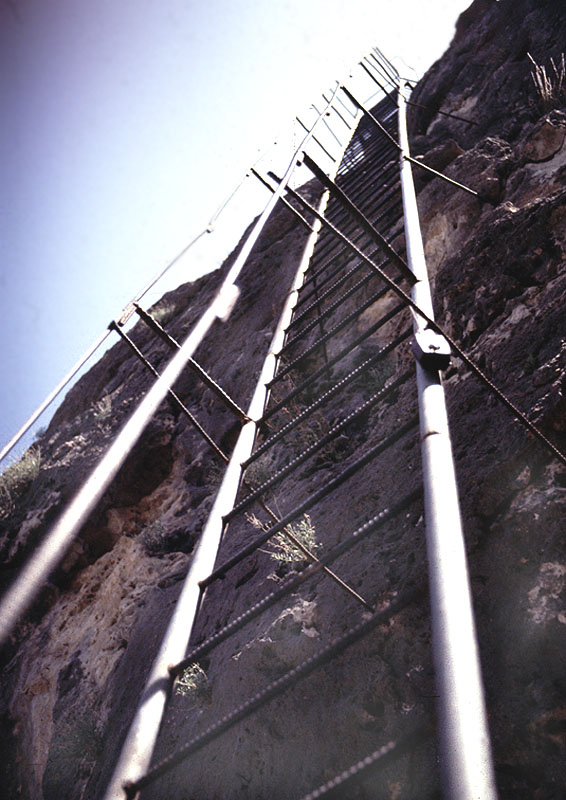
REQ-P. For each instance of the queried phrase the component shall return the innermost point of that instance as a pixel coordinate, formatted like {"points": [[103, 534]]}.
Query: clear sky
{"points": [[127, 122]]}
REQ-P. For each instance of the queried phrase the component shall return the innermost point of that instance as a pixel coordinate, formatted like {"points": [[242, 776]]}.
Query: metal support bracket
{"points": [[431, 349]]}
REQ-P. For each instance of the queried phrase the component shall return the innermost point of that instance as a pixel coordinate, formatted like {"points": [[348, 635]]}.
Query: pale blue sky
{"points": [[125, 124]]}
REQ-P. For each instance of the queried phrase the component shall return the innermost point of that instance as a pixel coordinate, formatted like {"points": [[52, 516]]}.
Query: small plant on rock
{"points": [[164, 313], [550, 88], [102, 408], [260, 470], [193, 683], [282, 548], [17, 477], [154, 537]]}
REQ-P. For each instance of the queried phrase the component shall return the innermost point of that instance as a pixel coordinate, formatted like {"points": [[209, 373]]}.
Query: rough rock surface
{"points": [[74, 669]]}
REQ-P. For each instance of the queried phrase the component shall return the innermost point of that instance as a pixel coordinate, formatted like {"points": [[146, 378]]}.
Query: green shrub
{"points": [[17, 477], [154, 537], [164, 313], [260, 470], [281, 548], [40, 432], [193, 682], [102, 408], [75, 749], [213, 475]]}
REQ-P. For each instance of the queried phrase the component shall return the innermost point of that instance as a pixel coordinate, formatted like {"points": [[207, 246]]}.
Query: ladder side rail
{"points": [[135, 758], [19, 597], [466, 762], [138, 749]]}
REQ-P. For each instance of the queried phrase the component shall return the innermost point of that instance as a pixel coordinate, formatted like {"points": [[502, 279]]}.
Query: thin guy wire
{"points": [[208, 229], [44, 405]]}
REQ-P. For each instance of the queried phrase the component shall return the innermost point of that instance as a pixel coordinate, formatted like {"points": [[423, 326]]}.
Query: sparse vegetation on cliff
{"points": [[281, 547], [17, 477], [193, 683], [551, 88]]}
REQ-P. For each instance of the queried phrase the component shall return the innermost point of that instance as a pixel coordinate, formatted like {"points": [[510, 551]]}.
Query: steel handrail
{"points": [[466, 762]]}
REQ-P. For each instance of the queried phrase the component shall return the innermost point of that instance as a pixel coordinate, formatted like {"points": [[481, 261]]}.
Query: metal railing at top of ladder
{"points": [[20, 595]]}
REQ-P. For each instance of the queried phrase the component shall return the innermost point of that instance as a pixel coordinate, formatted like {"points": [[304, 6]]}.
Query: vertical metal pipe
{"points": [[466, 761]]}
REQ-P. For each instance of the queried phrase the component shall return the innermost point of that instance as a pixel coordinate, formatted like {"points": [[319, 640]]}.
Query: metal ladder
{"points": [[343, 330], [357, 317]]}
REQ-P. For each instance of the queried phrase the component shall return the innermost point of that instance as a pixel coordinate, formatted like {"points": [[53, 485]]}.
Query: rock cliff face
{"points": [[74, 669]]}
